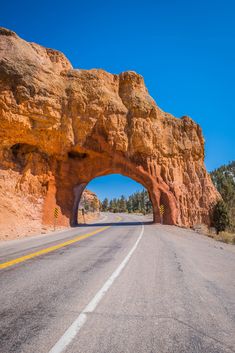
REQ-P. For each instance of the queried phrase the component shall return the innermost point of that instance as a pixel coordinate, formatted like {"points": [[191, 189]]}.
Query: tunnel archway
{"points": [[157, 194], [73, 175], [122, 195]]}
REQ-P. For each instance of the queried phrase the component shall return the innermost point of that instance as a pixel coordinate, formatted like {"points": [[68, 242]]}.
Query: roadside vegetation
{"points": [[224, 211]]}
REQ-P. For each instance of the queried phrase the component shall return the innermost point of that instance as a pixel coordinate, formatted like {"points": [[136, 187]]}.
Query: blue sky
{"points": [[114, 185], [184, 49]]}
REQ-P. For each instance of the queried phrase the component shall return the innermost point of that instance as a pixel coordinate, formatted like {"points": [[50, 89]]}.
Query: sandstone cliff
{"points": [[62, 127]]}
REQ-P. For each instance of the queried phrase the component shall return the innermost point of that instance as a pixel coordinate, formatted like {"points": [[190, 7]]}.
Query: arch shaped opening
{"points": [[76, 174], [111, 193]]}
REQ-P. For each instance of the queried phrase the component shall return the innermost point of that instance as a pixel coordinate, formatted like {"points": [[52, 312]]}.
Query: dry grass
{"points": [[225, 237]]}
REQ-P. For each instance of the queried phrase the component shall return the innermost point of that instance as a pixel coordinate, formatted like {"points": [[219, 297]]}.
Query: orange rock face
{"points": [[62, 127]]}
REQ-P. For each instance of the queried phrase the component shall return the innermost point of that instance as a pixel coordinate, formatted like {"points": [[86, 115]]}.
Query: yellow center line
{"points": [[52, 248]]}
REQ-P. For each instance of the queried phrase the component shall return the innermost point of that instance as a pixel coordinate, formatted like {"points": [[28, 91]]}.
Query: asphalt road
{"points": [[125, 287]]}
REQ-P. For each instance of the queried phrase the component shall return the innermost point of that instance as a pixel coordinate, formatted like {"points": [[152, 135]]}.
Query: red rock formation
{"points": [[89, 201], [62, 127]]}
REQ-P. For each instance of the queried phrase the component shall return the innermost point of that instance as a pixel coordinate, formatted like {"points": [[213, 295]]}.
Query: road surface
{"points": [[122, 287]]}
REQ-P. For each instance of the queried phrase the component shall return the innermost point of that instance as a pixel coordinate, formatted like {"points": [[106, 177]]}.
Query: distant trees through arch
{"points": [[104, 194], [137, 202]]}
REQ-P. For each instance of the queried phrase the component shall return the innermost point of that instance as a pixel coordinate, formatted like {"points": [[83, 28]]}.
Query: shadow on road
{"points": [[118, 224]]}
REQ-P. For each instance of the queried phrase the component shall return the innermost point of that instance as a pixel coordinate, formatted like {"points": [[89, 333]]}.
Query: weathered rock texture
{"points": [[90, 205], [89, 201], [62, 127]]}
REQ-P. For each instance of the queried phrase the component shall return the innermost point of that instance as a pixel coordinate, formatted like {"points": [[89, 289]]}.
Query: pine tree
{"points": [[110, 208], [224, 180], [220, 216], [115, 206], [122, 204], [137, 202], [129, 205], [105, 205]]}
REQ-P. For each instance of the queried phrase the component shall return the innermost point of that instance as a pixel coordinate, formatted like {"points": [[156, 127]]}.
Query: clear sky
{"points": [[113, 185], [184, 49]]}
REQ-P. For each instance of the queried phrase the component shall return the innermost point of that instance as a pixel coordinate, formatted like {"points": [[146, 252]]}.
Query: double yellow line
{"points": [[52, 248]]}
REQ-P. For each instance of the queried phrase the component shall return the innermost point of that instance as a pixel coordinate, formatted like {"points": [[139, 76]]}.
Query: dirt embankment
{"points": [[19, 216], [21, 212]]}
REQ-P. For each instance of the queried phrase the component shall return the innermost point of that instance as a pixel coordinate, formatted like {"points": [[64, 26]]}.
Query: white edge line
{"points": [[75, 327]]}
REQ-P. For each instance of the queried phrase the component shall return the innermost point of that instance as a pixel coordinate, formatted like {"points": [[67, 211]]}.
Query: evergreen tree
{"points": [[129, 205], [137, 202], [115, 203], [110, 206], [105, 205], [122, 204], [224, 180], [149, 207], [220, 216]]}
